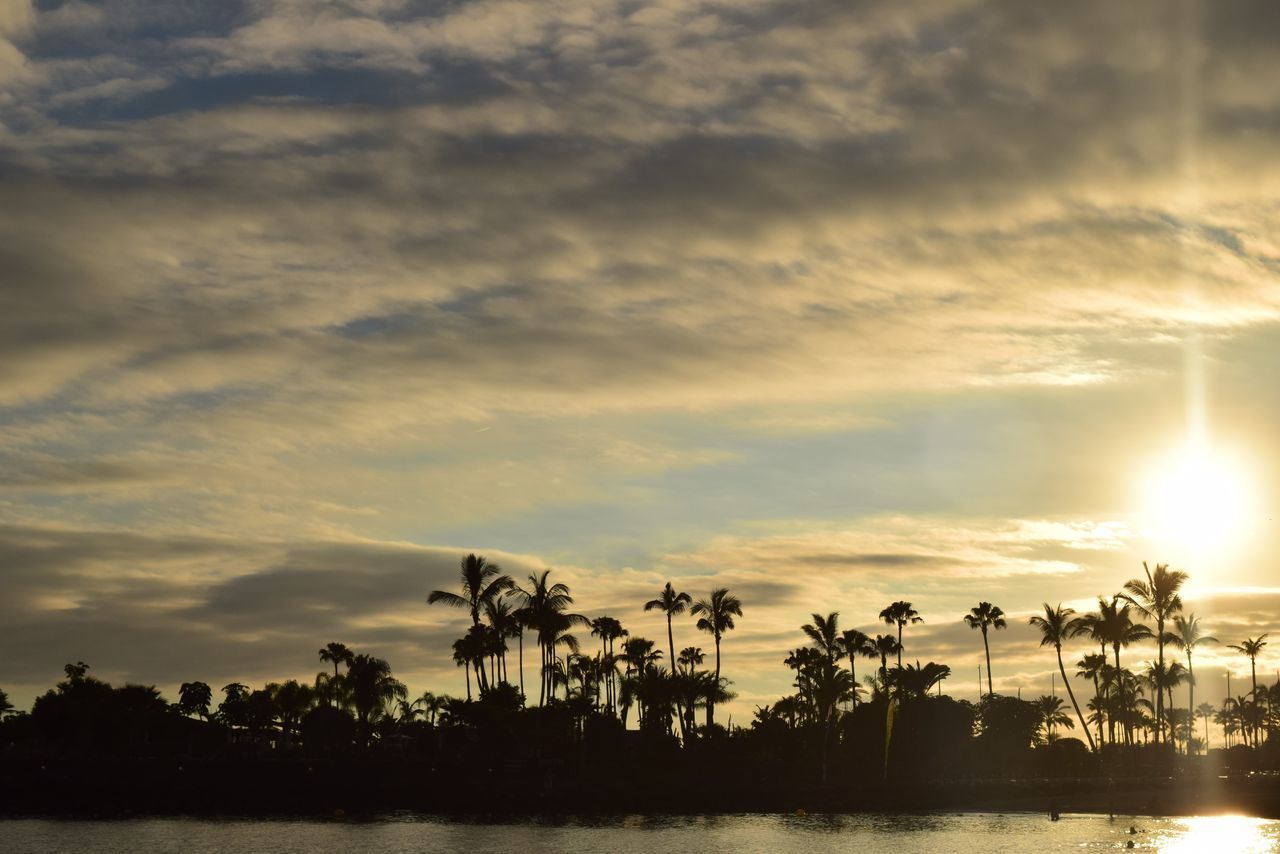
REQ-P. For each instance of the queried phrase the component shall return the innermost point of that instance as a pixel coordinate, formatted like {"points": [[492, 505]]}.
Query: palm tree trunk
{"points": [[1159, 692], [1072, 694], [1253, 672], [671, 644], [899, 644], [467, 670], [520, 663], [1191, 704], [715, 689], [987, 649]]}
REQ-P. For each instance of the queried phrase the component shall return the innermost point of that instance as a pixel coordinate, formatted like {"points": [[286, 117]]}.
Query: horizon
{"points": [[832, 306]]}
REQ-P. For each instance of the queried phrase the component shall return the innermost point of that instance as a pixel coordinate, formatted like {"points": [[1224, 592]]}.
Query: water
{"points": [[741, 834]]}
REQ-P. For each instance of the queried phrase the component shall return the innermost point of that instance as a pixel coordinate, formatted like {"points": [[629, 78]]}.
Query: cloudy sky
{"points": [[833, 303]]}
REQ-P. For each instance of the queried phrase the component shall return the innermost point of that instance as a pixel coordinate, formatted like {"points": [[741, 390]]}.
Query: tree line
{"points": [[592, 675]]}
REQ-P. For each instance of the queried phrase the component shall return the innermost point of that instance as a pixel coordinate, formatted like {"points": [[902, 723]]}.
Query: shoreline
{"points": [[89, 789]]}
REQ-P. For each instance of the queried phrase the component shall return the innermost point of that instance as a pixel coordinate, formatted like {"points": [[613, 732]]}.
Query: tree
{"points": [[336, 653], [716, 615], [886, 645], [1252, 647], [195, 698], [915, 682], [1113, 624], [1157, 598], [1053, 715], [543, 606], [1206, 711], [372, 685], [1056, 626], [825, 634], [481, 582], [857, 645], [986, 616], [671, 603], [292, 701], [5, 706], [1187, 635], [900, 614], [831, 686], [1092, 666]]}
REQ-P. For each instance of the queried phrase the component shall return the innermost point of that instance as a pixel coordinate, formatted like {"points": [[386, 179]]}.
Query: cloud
{"points": [[819, 301]]}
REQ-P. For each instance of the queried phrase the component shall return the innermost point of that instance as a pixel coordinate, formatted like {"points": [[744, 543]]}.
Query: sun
{"points": [[1197, 499]]}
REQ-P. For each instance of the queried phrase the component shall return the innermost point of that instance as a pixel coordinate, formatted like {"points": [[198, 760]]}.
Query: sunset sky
{"points": [[832, 303]]}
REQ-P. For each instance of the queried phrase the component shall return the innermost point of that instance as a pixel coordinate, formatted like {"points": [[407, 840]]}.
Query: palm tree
{"points": [[480, 582], [1187, 635], [504, 623], [671, 603], [691, 657], [716, 615], [1206, 711], [372, 685], [825, 634], [831, 686], [6, 707], [1252, 647], [292, 701], [1053, 715], [900, 614], [1058, 625], [1114, 625], [336, 653], [857, 644], [544, 608], [1158, 599], [986, 616], [1092, 666], [916, 681], [886, 645]]}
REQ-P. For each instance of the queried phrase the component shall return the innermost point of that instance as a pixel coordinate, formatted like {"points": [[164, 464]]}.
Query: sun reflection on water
{"points": [[1220, 833]]}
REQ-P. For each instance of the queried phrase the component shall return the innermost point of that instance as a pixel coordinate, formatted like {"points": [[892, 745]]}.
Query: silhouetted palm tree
{"points": [[914, 681], [671, 603], [1205, 711], [1053, 715], [716, 615], [857, 645], [900, 614], [986, 616], [544, 608], [337, 653], [1056, 626], [1092, 667], [1158, 599], [481, 582], [6, 707], [1187, 635], [1115, 626], [1252, 647], [886, 645], [292, 700], [504, 624], [825, 634], [372, 685]]}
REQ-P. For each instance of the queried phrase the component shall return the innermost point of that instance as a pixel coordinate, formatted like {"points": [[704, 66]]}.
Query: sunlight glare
{"points": [[1198, 499], [1234, 833]]}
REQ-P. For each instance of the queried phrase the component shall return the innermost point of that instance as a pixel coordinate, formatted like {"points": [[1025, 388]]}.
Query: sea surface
{"points": [[739, 834]]}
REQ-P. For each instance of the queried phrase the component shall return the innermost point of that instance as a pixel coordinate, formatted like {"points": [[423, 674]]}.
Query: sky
{"points": [[831, 303]]}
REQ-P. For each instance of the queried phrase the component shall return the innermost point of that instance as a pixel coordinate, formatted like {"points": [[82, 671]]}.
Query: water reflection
{"points": [[1226, 833]]}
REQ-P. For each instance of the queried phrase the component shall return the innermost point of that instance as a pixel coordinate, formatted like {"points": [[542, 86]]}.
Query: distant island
{"points": [[610, 729]]}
